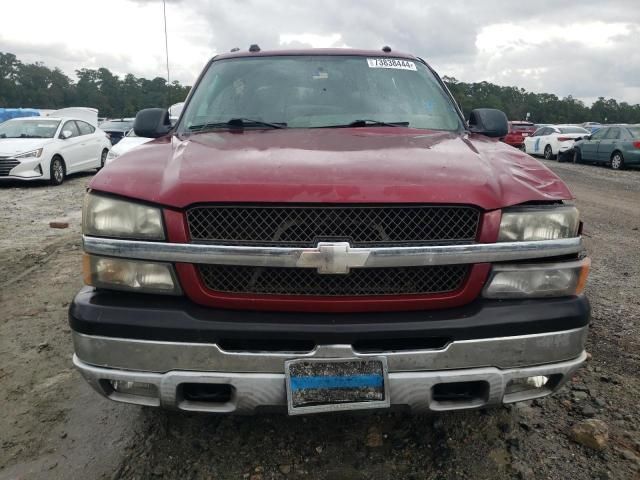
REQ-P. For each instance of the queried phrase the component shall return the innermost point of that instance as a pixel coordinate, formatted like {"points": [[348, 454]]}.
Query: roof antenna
{"points": [[254, 48], [166, 48], [386, 49]]}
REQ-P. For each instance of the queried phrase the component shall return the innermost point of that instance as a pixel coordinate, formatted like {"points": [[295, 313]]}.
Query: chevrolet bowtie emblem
{"points": [[333, 258]]}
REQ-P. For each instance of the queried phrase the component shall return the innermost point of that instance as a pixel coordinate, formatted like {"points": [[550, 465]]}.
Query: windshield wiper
{"points": [[236, 123], [367, 123]]}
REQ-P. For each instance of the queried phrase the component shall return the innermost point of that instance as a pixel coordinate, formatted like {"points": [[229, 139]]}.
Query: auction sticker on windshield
{"points": [[396, 63]]}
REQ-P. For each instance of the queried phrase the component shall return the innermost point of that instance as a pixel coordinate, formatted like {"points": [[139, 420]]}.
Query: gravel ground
{"points": [[54, 426]]}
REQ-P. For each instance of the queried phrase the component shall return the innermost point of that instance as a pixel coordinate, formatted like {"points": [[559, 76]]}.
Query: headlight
{"points": [[538, 280], [130, 275], [31, 154], [112, 155], [529, 224], [109, 217]]}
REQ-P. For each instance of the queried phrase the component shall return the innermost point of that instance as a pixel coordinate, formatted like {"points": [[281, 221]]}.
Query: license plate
{"points": [[328, 385], [525, 134]]}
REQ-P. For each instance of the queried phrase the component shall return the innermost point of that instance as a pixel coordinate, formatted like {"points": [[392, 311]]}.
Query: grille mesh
{"points": [[359, 282], [304, 226], [6, 165]]}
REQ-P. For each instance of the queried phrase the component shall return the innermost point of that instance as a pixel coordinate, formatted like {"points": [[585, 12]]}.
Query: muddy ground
{"points": [[53, 426]]}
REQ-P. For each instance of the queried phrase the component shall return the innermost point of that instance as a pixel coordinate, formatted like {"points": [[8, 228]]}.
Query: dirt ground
{"points": [[53, 426]]}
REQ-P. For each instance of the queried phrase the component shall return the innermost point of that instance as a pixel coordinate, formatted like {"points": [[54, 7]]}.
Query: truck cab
{"points": [[323, 230]]}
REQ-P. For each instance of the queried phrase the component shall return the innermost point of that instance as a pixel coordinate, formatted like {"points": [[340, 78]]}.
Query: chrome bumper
{"points": [[258, 379]]}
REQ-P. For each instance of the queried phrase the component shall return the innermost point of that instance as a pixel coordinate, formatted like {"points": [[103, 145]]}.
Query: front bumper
{"points": [[171, 342], [253, 392], [27, 169]]}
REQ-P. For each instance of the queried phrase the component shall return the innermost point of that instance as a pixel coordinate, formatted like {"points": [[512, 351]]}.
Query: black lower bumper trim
{"points": [[150, 317]]}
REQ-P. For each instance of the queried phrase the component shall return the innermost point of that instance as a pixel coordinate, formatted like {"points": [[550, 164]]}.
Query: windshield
{"points": [[116, 125], [29, 128], [320, 91], [572, 130]]}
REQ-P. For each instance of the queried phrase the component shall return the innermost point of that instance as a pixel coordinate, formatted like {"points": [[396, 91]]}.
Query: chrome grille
{"points": [[305, 226], [6, 165], [359, 282]]}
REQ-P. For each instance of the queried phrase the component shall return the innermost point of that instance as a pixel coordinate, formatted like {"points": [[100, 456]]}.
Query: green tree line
{"points": [[34, 85], [37, 86], [542, 107]]}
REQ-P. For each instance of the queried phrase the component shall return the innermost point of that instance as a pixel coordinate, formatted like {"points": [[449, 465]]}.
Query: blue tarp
{"points": [[9, 113]]}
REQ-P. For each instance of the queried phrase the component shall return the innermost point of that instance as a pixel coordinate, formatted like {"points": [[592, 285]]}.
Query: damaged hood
{"points": [[351, 165]]}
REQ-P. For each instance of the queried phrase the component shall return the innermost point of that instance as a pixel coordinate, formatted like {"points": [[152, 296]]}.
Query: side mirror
{"points": [[152, 123], [489, 122], [66, 134], [588, 137]]}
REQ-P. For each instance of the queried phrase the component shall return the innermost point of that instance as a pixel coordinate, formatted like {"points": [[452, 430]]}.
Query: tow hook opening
{"points": [[460, 394], [209, 393]]}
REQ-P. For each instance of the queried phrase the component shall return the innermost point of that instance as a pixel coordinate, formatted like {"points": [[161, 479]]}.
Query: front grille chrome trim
{"points": [[330, 257]]}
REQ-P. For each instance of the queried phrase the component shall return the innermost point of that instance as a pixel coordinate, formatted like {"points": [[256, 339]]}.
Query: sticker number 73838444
{"points": [[396, 63]]}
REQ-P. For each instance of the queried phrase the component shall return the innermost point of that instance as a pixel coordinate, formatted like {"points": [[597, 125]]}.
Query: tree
{"points": [[35, 85]]}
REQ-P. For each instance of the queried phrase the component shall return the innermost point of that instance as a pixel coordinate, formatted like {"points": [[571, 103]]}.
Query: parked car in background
{"points": [[129, 142], [117, 129], [9, 113], [49, 148], [591, 126], [553, 140], [175, 110], [518, 131], [615, 145]]}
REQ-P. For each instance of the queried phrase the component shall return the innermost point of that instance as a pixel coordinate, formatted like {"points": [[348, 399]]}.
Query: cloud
{"points": [[587, 48]]}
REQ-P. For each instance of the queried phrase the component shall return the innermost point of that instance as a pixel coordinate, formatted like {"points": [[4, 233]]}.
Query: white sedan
{"points": [[129, 142], [49, 148], [553, 140]]}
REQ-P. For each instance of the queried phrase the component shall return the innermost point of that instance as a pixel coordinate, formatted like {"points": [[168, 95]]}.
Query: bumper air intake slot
{"points": [[467, 394], [266, 345], [206, 392]]}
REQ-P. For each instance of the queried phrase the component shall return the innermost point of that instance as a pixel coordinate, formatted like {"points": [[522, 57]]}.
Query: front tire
{"points": [[103, 158], [57, 171], [617, 161], [548, 153]]}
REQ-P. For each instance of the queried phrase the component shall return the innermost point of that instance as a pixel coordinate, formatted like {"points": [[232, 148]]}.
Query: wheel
{"points": [[56, 171], [548, 153], [577, 156], [617, 161], [103, 158]]}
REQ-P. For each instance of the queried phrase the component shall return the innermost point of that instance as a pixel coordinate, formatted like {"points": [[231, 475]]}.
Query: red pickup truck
{"points": [[322, 230]]}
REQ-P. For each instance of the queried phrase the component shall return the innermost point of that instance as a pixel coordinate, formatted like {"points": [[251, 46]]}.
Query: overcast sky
{"points": [[587, 48]]}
